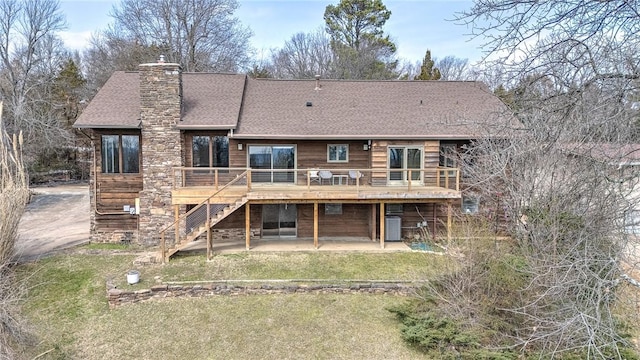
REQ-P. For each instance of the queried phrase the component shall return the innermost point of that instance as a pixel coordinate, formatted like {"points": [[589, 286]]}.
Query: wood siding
{"points": [[114, 191]]}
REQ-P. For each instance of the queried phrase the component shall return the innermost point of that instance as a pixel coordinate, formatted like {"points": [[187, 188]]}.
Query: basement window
{"points": [[333, 209], [394, 209], [470, 205]]}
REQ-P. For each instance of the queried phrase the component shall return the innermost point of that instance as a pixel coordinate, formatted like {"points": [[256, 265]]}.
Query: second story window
{"points": [[120, 154], [337, 153], [448, 157], [210, 151]]}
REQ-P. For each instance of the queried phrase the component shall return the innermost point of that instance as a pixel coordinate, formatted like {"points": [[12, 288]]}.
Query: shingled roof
{"points": [[323, 109], [116, 105], [335, 109], [210, 101]]}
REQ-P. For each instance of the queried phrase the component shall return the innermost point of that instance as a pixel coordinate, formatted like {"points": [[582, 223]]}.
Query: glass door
{"points": [[279, 220], [405, 158], [272, 158], [396, 161], [283, 158]]}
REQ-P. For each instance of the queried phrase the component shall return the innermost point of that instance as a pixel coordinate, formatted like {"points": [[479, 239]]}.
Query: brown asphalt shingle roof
{"points": [[368, 109], [209, 100], [272, 109], [116, 105]]}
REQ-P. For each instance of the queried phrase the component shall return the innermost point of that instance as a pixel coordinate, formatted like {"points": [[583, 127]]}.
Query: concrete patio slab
{"points": [[280, 245]]}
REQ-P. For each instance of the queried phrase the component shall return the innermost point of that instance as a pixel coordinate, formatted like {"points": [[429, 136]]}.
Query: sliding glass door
{"points": [[277, 159], [279, 220], [405, 158]]}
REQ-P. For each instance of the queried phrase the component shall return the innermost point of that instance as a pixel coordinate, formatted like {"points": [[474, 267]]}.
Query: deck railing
{"points": [[317, 178]]}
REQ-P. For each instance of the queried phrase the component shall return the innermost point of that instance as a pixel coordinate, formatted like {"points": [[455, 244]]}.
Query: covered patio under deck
{"points": [[241, 192], [298, 244]]}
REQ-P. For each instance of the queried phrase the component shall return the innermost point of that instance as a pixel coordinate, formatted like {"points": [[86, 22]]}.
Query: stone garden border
{"points": [[117, 297]]}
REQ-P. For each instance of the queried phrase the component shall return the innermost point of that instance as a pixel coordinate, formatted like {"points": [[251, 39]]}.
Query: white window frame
{"points": [[337, 146]]}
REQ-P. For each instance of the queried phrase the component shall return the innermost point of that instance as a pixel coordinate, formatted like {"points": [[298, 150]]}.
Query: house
{"points": [[619, 164], [180, 156]]}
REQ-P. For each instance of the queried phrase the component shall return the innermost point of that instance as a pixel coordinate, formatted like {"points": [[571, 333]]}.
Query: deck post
{"points": [[448, 222], [435, 220], [176, 220], [247, 225], [209, 239], [382, 225], [446, 179], [315, 224], [373, 222]]}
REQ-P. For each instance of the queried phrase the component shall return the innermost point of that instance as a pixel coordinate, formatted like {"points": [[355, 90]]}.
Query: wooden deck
{"points": [[266, 193]]}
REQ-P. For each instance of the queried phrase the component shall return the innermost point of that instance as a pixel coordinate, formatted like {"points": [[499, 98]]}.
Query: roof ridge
{"points": [[370, 80]]}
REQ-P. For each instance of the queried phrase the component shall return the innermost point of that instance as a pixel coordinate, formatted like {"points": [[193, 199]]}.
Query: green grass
{"points": [[109, 246], [67, 307], [299, 266]]}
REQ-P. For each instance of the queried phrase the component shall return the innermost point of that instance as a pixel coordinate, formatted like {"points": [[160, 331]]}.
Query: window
{"points": [[632, 221], [394, 209], [333, 209], [272, 163], [337, 153], [210, 151], [470, 205], [120, 154], [404, 160], [448, 156]]}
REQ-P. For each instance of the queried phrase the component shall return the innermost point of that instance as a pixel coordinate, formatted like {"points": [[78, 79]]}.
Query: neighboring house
{"points": [[622, 167], [180, 155]]}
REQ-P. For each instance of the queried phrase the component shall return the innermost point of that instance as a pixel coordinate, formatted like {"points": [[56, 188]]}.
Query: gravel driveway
{"points": [[56, 218]]}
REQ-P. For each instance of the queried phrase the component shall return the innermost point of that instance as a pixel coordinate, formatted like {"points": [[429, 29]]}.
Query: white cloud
{"points": [[75, 40]]}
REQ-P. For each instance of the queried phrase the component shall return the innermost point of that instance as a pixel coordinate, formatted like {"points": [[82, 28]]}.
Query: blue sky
{"points": [[415, 25]]}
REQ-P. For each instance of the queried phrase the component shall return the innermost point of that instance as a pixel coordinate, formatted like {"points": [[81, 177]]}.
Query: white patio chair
{"points": [[355, 175], [325, 175], [313, 176]]}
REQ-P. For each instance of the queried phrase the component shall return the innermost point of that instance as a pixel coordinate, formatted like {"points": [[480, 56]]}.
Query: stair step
{"points": [[195, 233]]}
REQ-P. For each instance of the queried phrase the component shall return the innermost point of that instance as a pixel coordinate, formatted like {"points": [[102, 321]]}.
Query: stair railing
{"points": [[176, 224]]}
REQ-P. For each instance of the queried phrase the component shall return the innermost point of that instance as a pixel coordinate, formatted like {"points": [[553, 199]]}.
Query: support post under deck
{"points": [[247, 225], [315, 224], [382, 225]]}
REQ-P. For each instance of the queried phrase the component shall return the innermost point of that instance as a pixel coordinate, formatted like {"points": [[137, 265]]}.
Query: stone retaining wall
{"points": [[117, 297]]}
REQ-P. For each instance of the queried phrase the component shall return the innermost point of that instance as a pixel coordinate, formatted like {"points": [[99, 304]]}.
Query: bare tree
{"points": [[108, 52], [30, 56], [564, 179], [454, 68], [201, 35], [304, 56]]}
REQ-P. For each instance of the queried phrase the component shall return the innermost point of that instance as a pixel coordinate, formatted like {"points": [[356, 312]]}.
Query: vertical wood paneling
{"points": [[379, 161]]}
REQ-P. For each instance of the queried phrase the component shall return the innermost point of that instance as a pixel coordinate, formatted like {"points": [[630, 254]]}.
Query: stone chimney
{"points": [[160, 111]]}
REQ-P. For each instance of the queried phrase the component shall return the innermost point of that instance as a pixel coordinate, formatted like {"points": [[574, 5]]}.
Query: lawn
{"points": [[67, 308]]}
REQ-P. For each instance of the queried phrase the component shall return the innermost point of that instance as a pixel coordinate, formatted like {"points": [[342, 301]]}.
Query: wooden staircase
{"points": [[197, 221]]}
